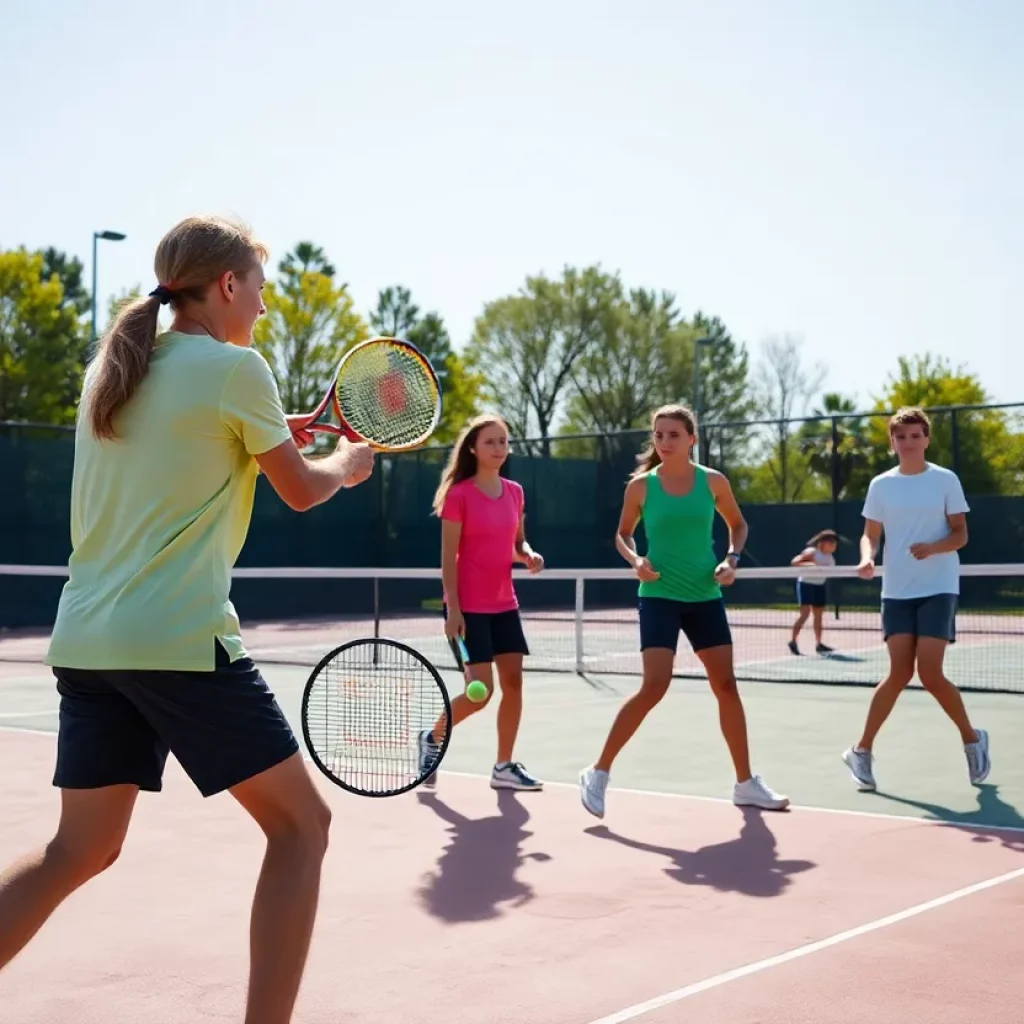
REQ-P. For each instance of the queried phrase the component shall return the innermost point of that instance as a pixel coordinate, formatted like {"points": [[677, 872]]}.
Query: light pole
{"points": [[107, 236], [698, 398]]}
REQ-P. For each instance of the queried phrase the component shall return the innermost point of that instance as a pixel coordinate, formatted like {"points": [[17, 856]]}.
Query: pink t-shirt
{"points": [[486, 545]]}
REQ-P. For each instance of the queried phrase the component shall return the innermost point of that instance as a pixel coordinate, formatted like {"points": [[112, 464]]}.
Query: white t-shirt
{"points": [[912, 509], [813, 573]]}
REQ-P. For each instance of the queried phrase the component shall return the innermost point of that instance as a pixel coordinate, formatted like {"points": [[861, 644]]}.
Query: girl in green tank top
{"points": [[678, 529], [680, 591]]}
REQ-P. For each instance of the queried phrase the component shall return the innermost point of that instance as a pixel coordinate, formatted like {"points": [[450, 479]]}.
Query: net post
{"points": [[579, 625]]}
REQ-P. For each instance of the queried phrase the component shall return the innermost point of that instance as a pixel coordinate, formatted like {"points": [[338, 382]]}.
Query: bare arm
{"points": [[523, 552], [729, 510], [303, 483], [953, 541], [451, 532], [806, 557], [870, 540], [632, 502]]}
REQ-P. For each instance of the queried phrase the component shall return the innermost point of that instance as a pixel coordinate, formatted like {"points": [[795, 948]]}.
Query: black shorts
{"points": [[705, 623], [117, 727], [812, 594], [933, 616], [489, 634]]}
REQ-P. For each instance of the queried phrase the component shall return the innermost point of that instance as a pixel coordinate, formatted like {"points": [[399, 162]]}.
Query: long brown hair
{"points": [[649, 457], [461, 464], [189, 258]]}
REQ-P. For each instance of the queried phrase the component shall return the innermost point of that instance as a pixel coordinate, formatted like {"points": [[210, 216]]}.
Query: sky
{"points": [[850, 172]]}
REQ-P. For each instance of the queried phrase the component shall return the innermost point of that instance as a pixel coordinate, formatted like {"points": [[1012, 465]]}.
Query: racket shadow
{"points": [[476, 876]]}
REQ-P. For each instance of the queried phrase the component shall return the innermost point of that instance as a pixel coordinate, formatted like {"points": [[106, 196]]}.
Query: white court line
{"points": [[26, 714], [663, 795], [632, 1012]]}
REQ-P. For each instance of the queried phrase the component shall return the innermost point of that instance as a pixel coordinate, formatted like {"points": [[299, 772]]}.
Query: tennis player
{"points": [[146, 649], [680, 591], [922, 512], [482, 535], [811, 587]]}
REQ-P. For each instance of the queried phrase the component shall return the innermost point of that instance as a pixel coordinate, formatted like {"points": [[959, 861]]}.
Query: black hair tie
{"points": [[162, 293]]}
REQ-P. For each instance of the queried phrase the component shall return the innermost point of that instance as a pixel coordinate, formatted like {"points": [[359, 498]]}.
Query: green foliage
{"points": [[42, 343], [310, 323]]}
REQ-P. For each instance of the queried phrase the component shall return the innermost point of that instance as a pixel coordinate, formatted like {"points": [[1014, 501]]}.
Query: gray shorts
{"points": [[933, 616]]}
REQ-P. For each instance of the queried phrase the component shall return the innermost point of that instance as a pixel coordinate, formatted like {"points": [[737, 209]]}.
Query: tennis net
{"points": [[579, 620]]}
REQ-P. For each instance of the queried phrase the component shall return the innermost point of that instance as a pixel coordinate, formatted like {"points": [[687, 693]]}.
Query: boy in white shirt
{"points": [[922, 509]]}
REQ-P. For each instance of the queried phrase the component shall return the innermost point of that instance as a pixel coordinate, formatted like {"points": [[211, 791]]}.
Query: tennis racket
{"points": [[363, 709], [385, 394]]}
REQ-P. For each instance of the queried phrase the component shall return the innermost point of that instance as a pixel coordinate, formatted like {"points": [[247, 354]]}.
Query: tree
{"points": [[397, 316], [310, 323], [526, 346], [980, 444], [42, 343], [846, 451], [783, 388], [640, 359], [726, 399], [69, 270]]}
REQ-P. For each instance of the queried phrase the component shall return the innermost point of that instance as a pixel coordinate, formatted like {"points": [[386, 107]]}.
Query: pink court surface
{"points": [[467, 906]]}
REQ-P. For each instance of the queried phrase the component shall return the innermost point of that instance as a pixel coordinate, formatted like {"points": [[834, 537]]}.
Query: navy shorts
{"points": [[933, 616], [812, 594], [117, 727], [489, 634], [705, 623]]}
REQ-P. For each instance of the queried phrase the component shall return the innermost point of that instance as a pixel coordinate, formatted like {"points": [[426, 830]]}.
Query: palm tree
{"points": [[852, 450]]}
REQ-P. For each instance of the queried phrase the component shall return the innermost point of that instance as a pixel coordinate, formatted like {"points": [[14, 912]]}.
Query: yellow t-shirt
{"points": [[160, 514]]}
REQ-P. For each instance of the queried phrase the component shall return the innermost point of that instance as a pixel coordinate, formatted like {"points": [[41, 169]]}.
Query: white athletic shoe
{"points": [[755, 792], [860, 763], [514, 776], [978, 762], [593, 783]]}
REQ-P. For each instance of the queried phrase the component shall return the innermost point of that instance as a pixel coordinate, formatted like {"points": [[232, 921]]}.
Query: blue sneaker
{"points": [[429, 751], [513, 776]]}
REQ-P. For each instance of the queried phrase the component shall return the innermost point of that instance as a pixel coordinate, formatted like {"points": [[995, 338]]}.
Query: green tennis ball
{"points": [[476, 692]]}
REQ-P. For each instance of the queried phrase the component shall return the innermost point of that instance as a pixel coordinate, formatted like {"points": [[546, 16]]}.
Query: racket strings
{"points": [[388, 393], [365, 712]]}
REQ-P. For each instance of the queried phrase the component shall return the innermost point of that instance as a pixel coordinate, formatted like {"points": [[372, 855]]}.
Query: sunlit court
{"points": [[511, 515]]}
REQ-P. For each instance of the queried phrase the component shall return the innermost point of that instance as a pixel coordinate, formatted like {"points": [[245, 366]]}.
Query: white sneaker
{"points": [[978, 762], [514, 776], [860, 763], [593, 783], [755, 792]]}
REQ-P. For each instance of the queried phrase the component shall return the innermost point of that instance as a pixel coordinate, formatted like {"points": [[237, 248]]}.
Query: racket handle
{"points": [[463, 655]]}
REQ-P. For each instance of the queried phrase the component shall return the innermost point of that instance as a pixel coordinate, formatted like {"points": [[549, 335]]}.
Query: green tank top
{"points": [[679, 541]]}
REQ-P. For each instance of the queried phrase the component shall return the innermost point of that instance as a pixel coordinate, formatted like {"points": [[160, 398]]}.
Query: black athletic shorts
{"points": [[704, 623], [117, 727], [489, 634]]}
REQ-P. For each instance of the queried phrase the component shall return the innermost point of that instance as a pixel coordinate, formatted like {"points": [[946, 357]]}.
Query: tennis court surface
{"points": [[465, 905]]}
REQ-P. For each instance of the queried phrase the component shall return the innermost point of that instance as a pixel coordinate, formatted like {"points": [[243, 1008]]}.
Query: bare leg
{"points": [[287, 806], [93, 824], [462, 706], [902, 649], [930, 655], [510, 707], [818, 627], [731, 717], [805, 611], [658, 662]]}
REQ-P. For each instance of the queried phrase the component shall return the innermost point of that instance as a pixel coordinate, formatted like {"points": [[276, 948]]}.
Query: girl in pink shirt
{"points": [[482, 535]]}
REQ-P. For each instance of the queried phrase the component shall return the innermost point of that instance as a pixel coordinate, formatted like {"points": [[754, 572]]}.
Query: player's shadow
{"points": [[748, 864], [477, 874], [987, 823]]}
